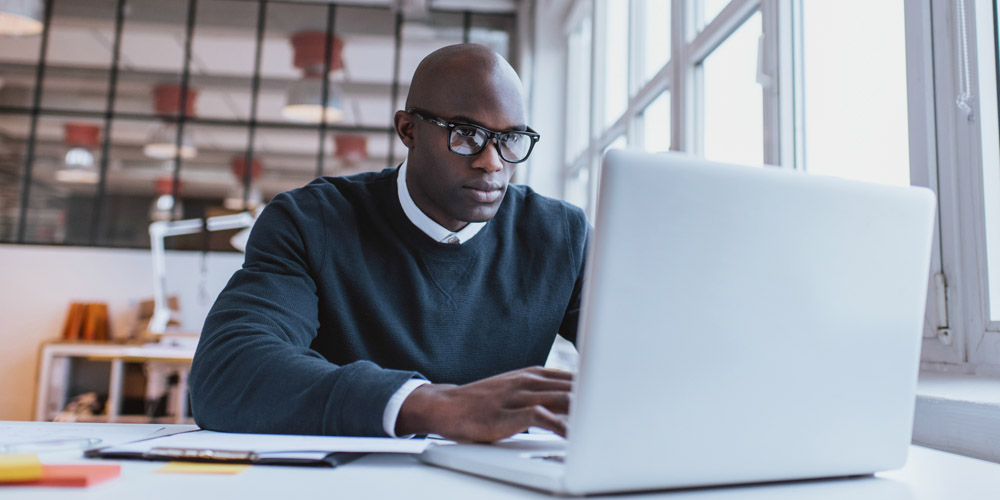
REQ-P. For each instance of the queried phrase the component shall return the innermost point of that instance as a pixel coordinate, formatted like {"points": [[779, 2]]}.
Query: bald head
{"points": [[457, 78]]}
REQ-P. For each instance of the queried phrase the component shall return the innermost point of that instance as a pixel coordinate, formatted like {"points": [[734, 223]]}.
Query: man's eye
{"points": [[466, 131]]}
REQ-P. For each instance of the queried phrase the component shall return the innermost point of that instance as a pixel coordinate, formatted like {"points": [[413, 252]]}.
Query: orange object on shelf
{"points": [[87, 321]]}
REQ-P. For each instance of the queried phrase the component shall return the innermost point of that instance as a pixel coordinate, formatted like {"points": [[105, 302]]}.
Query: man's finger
{"points": [[545, 419], [551, 373], [554, 401], [538, 384]]}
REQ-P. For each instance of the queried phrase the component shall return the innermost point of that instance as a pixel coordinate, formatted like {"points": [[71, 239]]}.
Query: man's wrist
{"points": [[422, 410], [391, 412]]}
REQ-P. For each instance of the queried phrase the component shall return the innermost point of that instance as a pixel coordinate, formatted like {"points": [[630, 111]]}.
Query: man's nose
{"points": [[489, 158]]}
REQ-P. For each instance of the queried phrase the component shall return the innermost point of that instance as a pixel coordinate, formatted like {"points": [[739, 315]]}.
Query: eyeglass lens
{"points": [[467, 140]]}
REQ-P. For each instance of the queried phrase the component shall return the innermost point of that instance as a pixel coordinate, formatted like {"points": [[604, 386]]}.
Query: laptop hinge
{"points": [[944, 334]]}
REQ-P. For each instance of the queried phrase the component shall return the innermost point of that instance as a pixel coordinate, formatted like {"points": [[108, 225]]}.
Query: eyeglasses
{"points": [[466, 139]]}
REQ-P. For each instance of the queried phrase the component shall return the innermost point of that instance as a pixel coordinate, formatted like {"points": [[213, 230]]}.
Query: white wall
{"points": [[37, 284]]}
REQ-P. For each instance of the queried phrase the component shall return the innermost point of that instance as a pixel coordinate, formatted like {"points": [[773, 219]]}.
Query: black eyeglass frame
{"points": [[490, 134]]}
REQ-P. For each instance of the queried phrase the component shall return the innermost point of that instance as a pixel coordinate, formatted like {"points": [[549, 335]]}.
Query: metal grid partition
{"points": [[96, 216]]}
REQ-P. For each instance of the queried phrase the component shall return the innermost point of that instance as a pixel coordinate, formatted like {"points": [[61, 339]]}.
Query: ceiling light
{"points": [[167, 103], [21, 17], [162, 143], [81, 138], [305, 102], [315, 56]]}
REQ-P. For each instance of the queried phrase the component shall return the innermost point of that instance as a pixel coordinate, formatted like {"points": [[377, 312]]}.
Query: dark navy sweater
{"points": [[341, 300]]}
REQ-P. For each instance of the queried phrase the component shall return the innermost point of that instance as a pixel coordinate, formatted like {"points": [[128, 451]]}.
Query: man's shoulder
{"points": [[527, 204]]}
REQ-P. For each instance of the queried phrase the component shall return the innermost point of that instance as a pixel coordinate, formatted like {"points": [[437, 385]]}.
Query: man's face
{"points": [[455, 190]]}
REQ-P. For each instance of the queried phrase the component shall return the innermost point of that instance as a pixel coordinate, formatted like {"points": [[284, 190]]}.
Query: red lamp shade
{"points": [[81, 135], [165, 185], [310, 49], [351, 149], [167, 100], [239, 167]]}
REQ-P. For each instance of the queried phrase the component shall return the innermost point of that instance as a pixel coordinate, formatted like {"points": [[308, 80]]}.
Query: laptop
{"points": [[739, 325]]}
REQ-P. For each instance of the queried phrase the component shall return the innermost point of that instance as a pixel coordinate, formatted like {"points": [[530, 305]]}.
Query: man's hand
{"points": [[490, 409]]}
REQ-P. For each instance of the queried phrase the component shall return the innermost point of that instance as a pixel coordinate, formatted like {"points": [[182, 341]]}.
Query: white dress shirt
{"points": [[438, 233]]}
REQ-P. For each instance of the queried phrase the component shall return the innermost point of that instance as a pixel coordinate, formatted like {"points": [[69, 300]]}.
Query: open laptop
{"points": [[739, 325]]}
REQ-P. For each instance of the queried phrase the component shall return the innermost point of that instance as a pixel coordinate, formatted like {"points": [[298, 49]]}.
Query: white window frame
{"points": [[947, 155], [688, 49]]}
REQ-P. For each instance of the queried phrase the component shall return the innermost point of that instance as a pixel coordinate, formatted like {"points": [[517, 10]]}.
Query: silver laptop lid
{"points": [[746, 324]]}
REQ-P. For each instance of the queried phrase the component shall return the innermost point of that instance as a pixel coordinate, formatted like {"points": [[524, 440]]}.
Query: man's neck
{"points": [[424, 222]]}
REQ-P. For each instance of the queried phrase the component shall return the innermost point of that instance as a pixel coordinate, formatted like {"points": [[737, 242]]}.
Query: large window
{"points": [[118, 112], [893, 92]]}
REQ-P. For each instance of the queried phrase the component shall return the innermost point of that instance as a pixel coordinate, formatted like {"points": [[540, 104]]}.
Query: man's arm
{"points": [[254, 371]]}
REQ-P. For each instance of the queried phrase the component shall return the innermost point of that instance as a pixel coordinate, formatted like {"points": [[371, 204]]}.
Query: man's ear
{"points": [[404, 128]]}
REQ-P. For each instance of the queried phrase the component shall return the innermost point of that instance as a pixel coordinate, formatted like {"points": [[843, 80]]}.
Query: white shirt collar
{"points": [[436, 231]]}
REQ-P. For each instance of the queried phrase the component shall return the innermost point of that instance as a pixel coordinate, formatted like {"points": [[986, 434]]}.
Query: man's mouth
{"points": [[485, 193]]}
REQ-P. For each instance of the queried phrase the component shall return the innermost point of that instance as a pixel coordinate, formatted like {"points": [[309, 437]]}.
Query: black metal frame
{"points": [[109, 114]]}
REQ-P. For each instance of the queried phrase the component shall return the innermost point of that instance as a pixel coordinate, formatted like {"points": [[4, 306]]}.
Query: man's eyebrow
{"points": [[466, 119]]}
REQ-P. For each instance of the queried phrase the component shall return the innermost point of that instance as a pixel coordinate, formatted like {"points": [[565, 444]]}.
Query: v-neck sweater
{"points": [[341, 300]]}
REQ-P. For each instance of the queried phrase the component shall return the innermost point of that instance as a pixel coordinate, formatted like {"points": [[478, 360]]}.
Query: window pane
{"points": [[277, 56], [656, 124], [13, 142], [656, 41], [152, 52], [133, 180], [64, 180], [615, 74], [288, 159], [223, 49], [991, 179], [578, 187], [18, 60], [733, 100], [710, 9], [80, 47], [855, 91], [578, 91]]}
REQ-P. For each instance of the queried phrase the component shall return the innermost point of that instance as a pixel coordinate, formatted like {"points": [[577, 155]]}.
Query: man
{"points": [[414, 300]]}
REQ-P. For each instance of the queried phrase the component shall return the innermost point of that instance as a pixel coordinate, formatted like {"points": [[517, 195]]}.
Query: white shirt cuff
{"points": [[395, 403]]}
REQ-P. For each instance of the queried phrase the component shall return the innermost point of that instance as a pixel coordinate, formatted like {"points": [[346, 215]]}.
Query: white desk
{"points": [[928, 475]]}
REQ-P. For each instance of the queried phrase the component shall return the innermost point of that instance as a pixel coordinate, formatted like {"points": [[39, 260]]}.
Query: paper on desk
{"points": [[274, 445], [13, 433]]}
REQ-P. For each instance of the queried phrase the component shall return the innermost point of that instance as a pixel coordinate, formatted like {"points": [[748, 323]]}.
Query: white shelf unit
{"points": [[54, 377]]}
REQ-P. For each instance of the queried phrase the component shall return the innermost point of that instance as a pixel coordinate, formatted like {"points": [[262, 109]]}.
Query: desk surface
{"points": [[928, 475]]}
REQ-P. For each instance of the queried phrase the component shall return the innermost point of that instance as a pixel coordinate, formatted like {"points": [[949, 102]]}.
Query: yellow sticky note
{"points": [[19, 468], [202, 468]]}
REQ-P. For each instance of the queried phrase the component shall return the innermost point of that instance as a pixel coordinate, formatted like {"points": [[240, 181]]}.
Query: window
{"points": [[646, 88], [909, 98], [150, 109], [732, 98], [855, 90], [656, 124], [991, 167]]}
